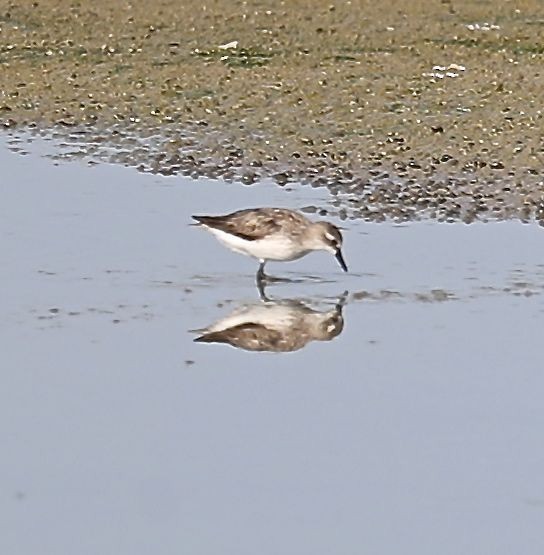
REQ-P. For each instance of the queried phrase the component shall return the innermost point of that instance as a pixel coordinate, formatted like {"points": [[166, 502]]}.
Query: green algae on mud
{"points": [[403, 111]]}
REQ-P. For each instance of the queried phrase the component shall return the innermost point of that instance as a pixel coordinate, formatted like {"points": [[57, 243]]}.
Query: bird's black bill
{"points": [[341, 260]]}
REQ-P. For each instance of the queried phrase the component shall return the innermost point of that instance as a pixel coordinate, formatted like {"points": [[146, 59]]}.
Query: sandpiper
{"points": [[274, 234], [276, 326]]}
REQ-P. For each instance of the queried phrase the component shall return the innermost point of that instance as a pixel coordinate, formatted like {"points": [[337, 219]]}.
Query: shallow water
{"points": [[416, 425]]}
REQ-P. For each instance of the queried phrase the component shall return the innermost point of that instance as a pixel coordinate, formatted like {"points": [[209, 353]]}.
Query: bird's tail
{"points": [[203, 220], [212, 337]]}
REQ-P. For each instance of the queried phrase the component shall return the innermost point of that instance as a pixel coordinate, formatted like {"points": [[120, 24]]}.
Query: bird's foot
{"points": [[274, 279]]}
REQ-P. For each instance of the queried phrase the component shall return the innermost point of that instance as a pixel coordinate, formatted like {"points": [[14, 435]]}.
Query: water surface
{"points": [[417, 427]]}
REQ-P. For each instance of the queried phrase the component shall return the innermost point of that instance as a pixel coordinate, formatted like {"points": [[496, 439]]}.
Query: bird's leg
{"points": [[261, 276], [265, 278], [261, 285], [262, 280]]}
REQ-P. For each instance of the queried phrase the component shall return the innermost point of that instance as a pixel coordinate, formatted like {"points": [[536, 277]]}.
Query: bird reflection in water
{"points": [[279, 326]]}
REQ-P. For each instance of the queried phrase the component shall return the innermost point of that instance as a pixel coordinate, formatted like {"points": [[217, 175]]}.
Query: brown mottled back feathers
{"points": [[256, 337], [254, 224]]}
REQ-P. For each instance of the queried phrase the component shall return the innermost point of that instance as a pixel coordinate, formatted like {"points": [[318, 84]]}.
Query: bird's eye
{"points": [[332, 240]]}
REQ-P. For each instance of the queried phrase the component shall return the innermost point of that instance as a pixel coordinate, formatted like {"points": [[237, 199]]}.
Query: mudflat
{"points": [[403, 110]]}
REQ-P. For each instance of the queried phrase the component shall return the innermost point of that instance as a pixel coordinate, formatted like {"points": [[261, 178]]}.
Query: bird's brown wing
{"points": [[252, 224], [249, 336], [256, 337]]}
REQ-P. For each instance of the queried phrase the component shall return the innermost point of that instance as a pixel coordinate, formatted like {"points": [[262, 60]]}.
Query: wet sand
{"points": [[427, 109]]}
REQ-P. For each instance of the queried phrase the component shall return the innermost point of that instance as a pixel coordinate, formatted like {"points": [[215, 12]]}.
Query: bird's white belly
{"points": [[275, 247], [276, 316]]}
